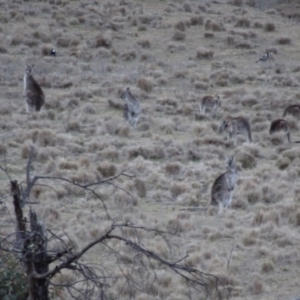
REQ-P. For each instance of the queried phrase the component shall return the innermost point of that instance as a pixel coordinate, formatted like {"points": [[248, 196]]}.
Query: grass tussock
{"points": [[243, 23], [283, 41], [204, 54], [107, 169], [269, 27], [211, 25], [145, 84], [178, 36], [140, 187]]}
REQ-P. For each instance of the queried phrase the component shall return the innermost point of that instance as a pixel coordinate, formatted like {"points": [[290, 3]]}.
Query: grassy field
{"points": [[170, 54]]}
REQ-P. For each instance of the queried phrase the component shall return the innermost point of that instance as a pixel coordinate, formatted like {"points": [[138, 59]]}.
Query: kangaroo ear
{"points": [[128, 90]]}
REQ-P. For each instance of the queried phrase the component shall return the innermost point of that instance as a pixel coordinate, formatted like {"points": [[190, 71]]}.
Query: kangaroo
{"points": [[293, 109], [282, 125], [234, 126], [132, 109], [222, 189], [209, 102], [33, 93]]}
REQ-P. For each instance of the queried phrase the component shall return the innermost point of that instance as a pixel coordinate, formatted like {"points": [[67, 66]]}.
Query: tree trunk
{"points": [[33, 246]]}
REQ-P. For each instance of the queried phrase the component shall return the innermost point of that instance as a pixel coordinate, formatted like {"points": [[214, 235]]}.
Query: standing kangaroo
{"points": [[223, 187], [33, 93], [209, 102], [234, 126], [282, 125], [132, 109]]}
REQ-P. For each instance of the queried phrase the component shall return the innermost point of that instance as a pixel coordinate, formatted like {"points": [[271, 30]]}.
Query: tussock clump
{"points": [[295, 218], [283, 163], [180, 26], [3, 49], [26, 149], [173, 168], [249, 101], [3, 149], [256, 285], [235, 2], [243, 45], [110, 153], [107, 169], [73, 126], [267, 266], [140, 151], [247, 160], [208, 35], [196, 20], [140, 187], [145, 84], [262, 217], [230, 40], [116, 105], [123, 199], [211, 25], [269, 27], [185, 109], [128, 55], [243, 22], [270, 194], [67, 41], [175, 226], [283, 41], [187, 7], [258, 25], [178, 36], [101, 41], [68, 165], [145, 43], [45, 138], [204, 54]]}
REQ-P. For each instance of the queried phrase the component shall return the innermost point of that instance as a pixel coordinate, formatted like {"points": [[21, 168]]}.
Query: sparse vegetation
{"points": [[170, 54]]}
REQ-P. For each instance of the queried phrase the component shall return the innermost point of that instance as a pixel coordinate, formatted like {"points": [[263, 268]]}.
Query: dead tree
{"points": [[30, 244]]}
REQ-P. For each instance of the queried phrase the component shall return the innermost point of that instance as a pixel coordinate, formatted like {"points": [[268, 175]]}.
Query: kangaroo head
{"points": [[126, 94], [230, 163], [218, 100], [29, 68]]}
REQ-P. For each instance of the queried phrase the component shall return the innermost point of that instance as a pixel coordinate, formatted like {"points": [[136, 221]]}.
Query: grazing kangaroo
{"points": [[132, 109], [222, 189], [234, 126], [33, 93], [282, 125], [293, 109], [209, 102]]}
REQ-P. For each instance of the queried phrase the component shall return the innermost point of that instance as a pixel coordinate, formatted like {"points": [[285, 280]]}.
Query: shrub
{"points": [[208, 35], [204, 54], [235, 2], [180, 26], [196, 20], [145, 84], [178, 36], [213, 26], [243, 22], [13, 280], [187, 7], [283, 41], [269, 27]]}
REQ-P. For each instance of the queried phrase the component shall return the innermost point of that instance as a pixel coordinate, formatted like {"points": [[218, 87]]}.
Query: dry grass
{"points": [[170, 54]]}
